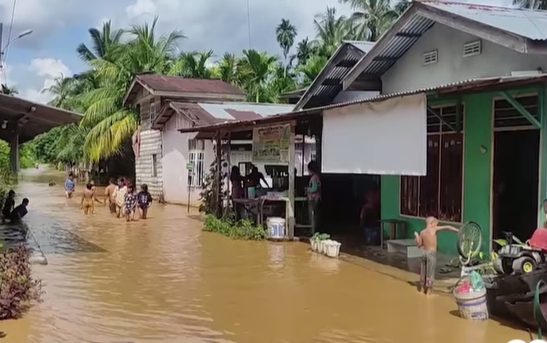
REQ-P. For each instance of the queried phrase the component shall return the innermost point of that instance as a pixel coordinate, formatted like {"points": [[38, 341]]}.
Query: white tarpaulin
{"points": [[385, 137]]}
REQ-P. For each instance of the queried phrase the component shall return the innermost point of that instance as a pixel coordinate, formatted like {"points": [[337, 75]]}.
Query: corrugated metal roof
{"points": [[230, 110], [531, 24], [467, 85], [163, 83]]}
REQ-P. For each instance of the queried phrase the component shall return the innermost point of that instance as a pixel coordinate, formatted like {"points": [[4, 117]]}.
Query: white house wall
{"points": [[175, 157], [409, 73]]}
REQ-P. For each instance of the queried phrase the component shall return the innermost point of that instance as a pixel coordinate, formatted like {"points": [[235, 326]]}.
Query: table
{"points": [[395, 226]]}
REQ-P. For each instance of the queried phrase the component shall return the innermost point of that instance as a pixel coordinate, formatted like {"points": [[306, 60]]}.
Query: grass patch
{"points": [[243, 229]]}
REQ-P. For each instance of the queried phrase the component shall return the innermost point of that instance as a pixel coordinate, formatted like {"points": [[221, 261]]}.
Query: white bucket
{"points": [[333, 249], [322, 247], [276, 227], [314, 244]]}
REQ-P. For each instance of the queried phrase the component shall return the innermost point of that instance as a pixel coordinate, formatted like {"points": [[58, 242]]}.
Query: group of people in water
{"points": [[11, 212], [120, 195]]}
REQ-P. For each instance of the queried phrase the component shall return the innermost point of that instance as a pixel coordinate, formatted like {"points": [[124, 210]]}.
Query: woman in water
{"points": [[144, 200]]}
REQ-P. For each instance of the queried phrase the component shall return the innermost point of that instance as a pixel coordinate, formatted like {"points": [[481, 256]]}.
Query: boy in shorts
{"points": [[427, 240]]}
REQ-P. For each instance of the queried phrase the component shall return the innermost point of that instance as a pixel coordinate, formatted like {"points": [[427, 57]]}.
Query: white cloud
{"points": [[140, 7], [47, 69]]}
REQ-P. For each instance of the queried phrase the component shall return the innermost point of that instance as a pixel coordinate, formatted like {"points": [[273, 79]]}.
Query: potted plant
{"points": [[314, 241]]}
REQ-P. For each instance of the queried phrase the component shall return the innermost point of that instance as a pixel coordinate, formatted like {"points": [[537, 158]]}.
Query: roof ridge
{"points": [[471, 4]]}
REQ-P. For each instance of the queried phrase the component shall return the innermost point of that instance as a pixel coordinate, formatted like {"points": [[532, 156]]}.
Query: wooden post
{"points": [[218, 174], [290, 212]]}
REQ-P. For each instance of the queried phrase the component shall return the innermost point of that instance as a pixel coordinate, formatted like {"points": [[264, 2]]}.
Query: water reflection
{"points": [[164, 280]]}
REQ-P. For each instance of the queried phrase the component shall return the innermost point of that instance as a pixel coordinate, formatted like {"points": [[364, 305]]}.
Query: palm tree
{"points": [[312, 68], [62, 90], [254, 70], [371, 18], [9, 90], [227, 68], [109, 123], [331, 30], [192, 64], [104, 43], [531, 4], [304, 50], [285, 32], [401, 6]]}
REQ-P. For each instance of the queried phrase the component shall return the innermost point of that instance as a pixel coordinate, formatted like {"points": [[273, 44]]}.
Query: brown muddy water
{"points": [[164, 280]]}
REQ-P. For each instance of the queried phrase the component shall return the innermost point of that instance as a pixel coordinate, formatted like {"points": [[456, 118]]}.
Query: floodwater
{"points": [[164, 280]]}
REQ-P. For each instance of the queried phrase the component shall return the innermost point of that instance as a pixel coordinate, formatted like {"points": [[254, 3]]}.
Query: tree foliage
{"points": [[115, 56]]}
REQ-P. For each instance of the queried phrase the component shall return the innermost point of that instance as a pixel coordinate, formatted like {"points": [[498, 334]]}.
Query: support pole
{"points": [[218, 174], [290, 212], [14, 152]]}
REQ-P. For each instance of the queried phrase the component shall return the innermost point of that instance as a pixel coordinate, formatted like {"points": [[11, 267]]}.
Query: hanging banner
{"points": [[271, 144]]}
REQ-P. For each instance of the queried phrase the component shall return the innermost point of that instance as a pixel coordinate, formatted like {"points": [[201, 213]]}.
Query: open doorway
{"points": [[515, 184]]}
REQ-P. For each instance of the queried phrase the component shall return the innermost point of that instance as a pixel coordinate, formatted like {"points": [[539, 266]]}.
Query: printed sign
{"points": [[271, 144]]}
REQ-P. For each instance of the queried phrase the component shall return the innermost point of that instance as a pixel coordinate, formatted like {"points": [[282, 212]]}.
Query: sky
{"points": [[59, 26]]}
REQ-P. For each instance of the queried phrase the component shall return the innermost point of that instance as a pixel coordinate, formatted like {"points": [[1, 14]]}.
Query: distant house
{"points": [[169, 103]]}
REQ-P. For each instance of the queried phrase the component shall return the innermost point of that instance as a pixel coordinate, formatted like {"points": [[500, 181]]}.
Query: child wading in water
{"points": [[144, 200], [88, 199], [427, 240], [130, 203]]}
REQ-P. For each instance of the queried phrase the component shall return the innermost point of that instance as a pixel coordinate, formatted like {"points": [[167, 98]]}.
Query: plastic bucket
{"points": [[322, 247], [472, 305], [333, 249], [276, 227], [251, 192], [314, 244]]}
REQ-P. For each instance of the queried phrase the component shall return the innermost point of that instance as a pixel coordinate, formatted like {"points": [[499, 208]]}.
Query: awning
{"points": [[381, 138], [30, 118]]}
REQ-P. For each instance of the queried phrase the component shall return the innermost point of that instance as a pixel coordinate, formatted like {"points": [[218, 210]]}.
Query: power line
{"points": [[249, 24]]}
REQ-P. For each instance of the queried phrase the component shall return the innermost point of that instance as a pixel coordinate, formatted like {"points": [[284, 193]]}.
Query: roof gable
{"points": [[175, 86], [329, 81], [491, 23]]}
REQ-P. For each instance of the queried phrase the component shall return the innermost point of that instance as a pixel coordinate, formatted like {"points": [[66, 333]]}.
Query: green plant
{"points": [[18, 290], [244, 229], [211, 185]]}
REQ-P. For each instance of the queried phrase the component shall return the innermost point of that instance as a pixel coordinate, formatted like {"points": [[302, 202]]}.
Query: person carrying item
{"points": [[144, 200], [70, 185], [9, 204], [119, 195], [88, 199], [19, 212], [314, 195], [109, 195], [427, 240]]}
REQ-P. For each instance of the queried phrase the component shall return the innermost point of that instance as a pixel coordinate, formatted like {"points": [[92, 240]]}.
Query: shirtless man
{"points": [[109, 195], [88, 199], [427, 240]]}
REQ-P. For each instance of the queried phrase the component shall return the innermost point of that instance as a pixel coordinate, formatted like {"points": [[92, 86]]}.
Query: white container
{"points": [[314, 244], [276, 227], [323, 246], [333, 249]]}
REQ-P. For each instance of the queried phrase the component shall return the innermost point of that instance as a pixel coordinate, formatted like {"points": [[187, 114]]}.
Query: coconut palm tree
{"points": [[304, 50], [227, 68], [285, 32], [62, 90], [110, 123], [104, 43], [254, 70], [192, 64], [331, 30], [312, 68], [9, 90], [371, 18]]}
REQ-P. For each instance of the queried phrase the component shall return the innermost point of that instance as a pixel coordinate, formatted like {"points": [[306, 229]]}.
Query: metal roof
{"points": [[527, 23], [31, 118], [329, 81], [479, 84], [514, 28], [213, 113]]}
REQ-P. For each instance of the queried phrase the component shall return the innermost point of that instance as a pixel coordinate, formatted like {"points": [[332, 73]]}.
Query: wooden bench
{"points": [[405, 246]]}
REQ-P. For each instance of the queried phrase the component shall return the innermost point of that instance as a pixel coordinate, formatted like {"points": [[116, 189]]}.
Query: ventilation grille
{"points": [[472, 48], [430, 57]]}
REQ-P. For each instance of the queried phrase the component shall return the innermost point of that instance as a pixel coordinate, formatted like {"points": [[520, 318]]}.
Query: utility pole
{"points": [[1, 53]]}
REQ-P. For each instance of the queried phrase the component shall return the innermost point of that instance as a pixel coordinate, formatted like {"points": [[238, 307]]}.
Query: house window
{"points": [[154, 165], [196, 156], [152, 112], [439, 193]]}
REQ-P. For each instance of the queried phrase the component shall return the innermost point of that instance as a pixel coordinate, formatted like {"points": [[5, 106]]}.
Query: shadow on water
{"points": [[164, 280]]}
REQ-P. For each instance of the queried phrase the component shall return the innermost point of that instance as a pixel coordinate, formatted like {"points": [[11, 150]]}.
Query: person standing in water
{"points": [[88, 199], [427, 240], [144, 200], [130, 203], [314, 195], [70, 185], [94, 190], [109, 195], [119, 196], [9, 204]]}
